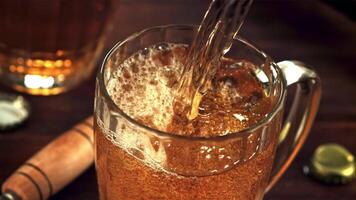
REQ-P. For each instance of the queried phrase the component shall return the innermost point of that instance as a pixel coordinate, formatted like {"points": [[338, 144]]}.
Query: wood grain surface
{"points": [[310, 31]]}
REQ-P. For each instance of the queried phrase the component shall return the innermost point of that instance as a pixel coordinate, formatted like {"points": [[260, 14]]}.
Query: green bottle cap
{"points": [[332, 163], [14, 110]]}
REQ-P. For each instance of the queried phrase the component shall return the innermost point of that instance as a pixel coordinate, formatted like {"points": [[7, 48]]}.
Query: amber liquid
{"points": [[121, 176], [47, 47], [235, 102]]}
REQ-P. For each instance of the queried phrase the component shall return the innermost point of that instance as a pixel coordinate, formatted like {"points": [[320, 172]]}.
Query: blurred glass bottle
{"points": [[47, 47]]}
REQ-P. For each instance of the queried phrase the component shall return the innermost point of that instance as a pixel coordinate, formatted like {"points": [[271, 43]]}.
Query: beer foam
{"points": [[142, 85]]}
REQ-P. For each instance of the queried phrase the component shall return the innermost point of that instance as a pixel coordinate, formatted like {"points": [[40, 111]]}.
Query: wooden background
{"points": [[307, 30]]}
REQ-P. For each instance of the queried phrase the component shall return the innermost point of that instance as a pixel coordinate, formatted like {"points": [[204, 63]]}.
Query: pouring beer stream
{"points": [[220, 25]]}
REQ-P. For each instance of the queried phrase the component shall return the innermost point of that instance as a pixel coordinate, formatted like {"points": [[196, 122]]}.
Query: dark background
{"points": [[320, 33]]}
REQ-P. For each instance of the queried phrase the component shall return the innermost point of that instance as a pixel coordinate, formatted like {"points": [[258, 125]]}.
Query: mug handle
{"points": [[300, 117]]}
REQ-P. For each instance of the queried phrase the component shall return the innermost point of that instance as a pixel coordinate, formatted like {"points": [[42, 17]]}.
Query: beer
{"points": [[191, 163], [47, 47]]}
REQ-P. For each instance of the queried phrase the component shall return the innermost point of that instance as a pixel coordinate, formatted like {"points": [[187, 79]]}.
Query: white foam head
{"points": [[141, 85]]}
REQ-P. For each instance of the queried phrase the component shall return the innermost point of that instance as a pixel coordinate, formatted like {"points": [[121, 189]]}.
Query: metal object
{"points": [[332, 163], [8, 196], [14, 110]]}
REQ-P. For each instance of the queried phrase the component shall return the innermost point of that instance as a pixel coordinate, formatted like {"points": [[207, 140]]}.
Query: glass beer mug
{"points": [[134, 161]]}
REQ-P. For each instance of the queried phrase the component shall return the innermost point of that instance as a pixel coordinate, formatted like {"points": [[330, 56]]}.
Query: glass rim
{"points": [[265, 120]]}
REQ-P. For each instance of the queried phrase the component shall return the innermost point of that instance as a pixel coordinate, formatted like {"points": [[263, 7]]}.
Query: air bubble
{"points": [[162, 46]]}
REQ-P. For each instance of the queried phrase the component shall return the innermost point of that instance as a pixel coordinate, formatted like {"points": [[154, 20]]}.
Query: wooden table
{"points": [[310, 31]]}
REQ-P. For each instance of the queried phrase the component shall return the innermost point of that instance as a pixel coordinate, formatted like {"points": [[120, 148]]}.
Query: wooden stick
{"points": [[54, 166]]}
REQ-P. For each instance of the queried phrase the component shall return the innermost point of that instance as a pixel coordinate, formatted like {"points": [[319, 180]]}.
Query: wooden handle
{"points": [[54, 166]]}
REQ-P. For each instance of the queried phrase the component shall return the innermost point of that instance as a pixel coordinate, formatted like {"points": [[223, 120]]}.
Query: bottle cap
{"points": [[332, 163], [14, 110]]}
